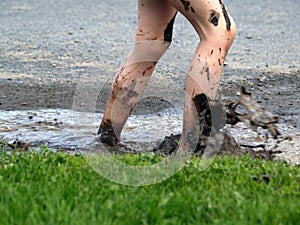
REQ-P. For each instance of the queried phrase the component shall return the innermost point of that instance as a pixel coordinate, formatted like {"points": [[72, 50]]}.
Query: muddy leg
{"points": [[154, 35], [216, 30]]}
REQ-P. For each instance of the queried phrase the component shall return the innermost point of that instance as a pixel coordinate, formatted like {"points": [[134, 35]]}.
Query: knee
{"points": [[226, 31], [222, 20], [218, 29], [230, 33], [221, 36]]}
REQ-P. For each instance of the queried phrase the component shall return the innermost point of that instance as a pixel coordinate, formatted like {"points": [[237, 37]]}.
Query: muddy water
{"points": [[70, 130], [76, 131]]}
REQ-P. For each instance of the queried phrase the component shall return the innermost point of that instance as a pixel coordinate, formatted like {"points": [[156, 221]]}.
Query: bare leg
{"points": [[154, 34], [216, 30]]}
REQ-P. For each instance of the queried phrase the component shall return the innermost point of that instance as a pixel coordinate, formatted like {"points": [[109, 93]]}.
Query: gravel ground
{"points": [[49, 48]]}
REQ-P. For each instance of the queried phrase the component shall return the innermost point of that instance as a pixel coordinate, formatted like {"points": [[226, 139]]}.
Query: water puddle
{"points": [[73, 131], [70, 130]]}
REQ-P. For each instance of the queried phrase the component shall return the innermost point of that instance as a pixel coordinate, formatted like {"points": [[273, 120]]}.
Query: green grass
{"points": [[57, 188]]}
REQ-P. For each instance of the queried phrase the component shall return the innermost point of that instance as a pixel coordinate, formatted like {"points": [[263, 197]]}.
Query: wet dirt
{"points": [[279, 93], [276, 92], [48, 47], [64, 129]]}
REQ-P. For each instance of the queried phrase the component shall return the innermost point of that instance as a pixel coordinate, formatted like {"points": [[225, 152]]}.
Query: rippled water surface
{"points": [[66, 129], [70, 130]]}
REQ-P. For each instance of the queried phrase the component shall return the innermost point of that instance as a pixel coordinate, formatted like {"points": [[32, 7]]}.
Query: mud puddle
{"points": [[62, 129], [70, 130]]}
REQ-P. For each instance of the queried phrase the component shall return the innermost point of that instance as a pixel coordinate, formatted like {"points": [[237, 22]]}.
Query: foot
{"points": [[106, 134], [170, 144], [108, 139]]}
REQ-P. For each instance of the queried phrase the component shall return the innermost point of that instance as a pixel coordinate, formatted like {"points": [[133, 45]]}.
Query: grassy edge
{"points": [[232, 189]]}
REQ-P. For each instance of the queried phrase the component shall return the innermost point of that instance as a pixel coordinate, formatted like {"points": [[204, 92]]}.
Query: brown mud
{"points": [[45, 50], [278, 93]]}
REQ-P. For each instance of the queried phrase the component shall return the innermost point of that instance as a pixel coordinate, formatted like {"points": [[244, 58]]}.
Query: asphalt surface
{"points": [[102, 30], [49, 47]]}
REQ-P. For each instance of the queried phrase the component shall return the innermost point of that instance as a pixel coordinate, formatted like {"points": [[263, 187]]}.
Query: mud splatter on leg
{"points": [[216, 33], [226, 16], [168, 32], [186, 4], [108, 133], [214, 17]]}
